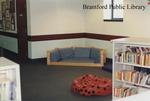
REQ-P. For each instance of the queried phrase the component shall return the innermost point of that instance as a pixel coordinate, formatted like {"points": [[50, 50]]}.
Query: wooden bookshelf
{"points": [[131, 54], [131, 64], [132, 83]]}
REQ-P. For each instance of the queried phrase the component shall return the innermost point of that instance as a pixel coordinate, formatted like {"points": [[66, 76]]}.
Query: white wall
{"points": [[100, 44], [9, 43], [39, 49]]}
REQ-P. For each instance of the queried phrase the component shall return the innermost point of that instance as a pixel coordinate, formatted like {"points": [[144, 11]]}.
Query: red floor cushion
{"points": [[91, 85]]}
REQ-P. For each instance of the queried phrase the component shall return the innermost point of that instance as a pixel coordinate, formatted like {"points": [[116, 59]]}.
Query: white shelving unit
{"points": [[10, 89], [120, 46]]}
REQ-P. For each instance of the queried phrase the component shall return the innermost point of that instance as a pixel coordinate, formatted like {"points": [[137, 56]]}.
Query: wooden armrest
{"points": [[48, 57], [102, 56]]}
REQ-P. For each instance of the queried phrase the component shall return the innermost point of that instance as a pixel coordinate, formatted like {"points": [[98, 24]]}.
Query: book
{"points": [[148, 81], [124, 91], [134, 55], [134, 76], [143, 80]]}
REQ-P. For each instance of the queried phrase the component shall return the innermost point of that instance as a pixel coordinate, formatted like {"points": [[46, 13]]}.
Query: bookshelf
{"points": [[131, 67], [10, 89]]}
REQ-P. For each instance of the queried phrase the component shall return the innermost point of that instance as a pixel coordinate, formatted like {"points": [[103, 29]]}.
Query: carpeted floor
{"points": [[40, 82]]}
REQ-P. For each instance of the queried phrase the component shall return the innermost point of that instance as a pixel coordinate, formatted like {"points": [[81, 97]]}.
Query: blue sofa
{"points": [[76, 56]]}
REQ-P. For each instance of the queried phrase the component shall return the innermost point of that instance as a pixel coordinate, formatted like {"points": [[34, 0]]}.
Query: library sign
{"points": [[116, 6]]}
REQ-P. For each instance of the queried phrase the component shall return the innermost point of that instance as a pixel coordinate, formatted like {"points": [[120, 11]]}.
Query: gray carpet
{"points": [[40, 82]]}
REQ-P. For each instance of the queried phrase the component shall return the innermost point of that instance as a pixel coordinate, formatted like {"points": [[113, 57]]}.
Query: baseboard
{"points": [[9, 54], [44, 60], [39, 60]]}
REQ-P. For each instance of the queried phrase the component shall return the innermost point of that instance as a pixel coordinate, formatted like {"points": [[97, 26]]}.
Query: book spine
{"points": [[124, 91], [134, 55]]}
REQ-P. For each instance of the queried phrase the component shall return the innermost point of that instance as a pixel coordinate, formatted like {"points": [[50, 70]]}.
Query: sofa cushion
{"points": [[95, 54], [78, 60], [55, 56], [66, 53], [82, 52]]}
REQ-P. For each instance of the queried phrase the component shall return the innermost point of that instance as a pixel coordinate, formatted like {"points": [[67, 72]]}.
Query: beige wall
{"points": [[67, 16], [55, 16], [47, 17], [136, 22]]}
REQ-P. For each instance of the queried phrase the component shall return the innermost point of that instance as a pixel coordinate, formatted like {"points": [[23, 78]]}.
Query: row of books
{"points": [[139, 50], [141, 59], [7, 88], [124, 91], [135, 55], [137, 77]]}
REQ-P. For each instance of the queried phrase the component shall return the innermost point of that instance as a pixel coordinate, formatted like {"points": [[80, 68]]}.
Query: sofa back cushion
{"points": [[66, 52], [95, 54], [55, 56], [81, 52]]}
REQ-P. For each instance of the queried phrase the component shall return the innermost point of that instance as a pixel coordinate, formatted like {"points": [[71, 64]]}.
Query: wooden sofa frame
{"points": [[102, 60]]}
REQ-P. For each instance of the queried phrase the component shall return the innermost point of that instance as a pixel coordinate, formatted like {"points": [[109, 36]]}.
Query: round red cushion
{"points": [[90, 85]]}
